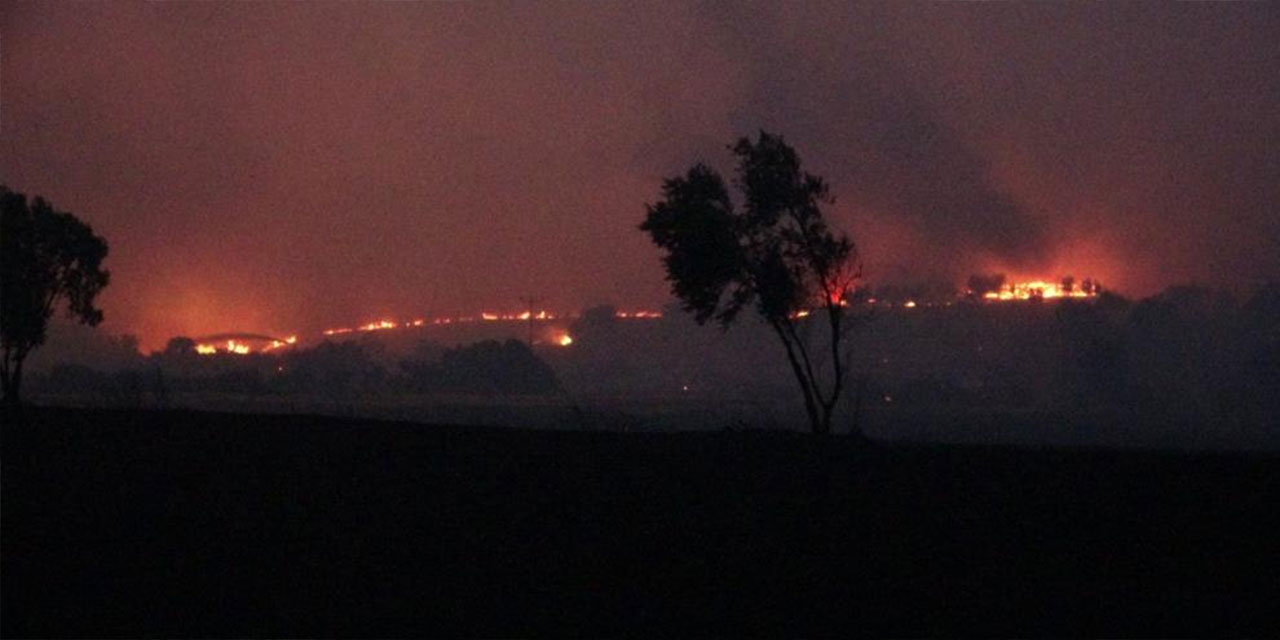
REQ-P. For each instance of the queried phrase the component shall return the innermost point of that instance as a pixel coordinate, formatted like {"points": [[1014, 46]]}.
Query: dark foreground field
{"points": [[198, 524]]}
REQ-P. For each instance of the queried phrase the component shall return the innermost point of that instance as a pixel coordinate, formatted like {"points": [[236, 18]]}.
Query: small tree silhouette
{"points": [[180, 347], [776, 253], [46, 257]]}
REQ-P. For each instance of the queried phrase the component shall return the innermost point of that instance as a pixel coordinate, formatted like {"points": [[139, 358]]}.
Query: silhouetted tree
{"points": [[980, 284], [46, 257], [776, 252], [180, 347]]}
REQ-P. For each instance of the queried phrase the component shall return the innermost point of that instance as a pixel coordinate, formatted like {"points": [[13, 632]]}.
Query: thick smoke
{"points": [[862, 117], [280, 168]]}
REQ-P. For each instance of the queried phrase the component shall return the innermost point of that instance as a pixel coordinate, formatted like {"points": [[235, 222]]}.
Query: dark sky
{"points": [[280, 167]]}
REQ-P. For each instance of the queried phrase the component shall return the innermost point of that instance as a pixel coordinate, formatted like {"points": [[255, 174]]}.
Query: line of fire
{"points": [[979, 289]]}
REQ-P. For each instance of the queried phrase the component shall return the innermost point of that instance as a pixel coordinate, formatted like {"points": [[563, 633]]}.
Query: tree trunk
{"points": [[826, 421], [806, 385], [855, 427], [13, 382]]}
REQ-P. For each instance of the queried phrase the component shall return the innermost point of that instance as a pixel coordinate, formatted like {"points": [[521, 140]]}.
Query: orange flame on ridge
{"points": [[1041, 289]]}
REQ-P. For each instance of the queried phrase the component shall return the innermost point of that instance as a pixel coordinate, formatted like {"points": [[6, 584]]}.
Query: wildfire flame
{"points": [[230, 346], [1040, 289], [240, 347], [1026, 290], [643, 315], [485, 316]]}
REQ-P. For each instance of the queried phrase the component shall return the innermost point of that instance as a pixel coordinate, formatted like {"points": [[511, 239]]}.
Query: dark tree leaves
{"points": [[47, 257], [696, 226]]}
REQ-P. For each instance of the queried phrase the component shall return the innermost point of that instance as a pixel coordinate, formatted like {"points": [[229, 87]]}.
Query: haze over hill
{"points": [[1190, 368], [278, 168]]}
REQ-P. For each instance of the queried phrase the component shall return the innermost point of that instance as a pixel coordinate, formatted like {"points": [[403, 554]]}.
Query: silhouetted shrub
{"points": [[488, 367], [331, 367], [75, 378], [1094, 364]]}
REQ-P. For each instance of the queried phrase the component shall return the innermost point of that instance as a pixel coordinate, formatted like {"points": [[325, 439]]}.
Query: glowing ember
{"points": [[564, 340], [648, 315], [276, 344]]}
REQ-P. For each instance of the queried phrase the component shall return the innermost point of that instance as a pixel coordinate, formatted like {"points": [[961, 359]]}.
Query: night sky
{"points": [[283, 167]]}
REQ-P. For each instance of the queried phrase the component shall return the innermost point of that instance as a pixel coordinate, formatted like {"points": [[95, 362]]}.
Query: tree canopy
{"points": [[47, 258], [775, 252]]}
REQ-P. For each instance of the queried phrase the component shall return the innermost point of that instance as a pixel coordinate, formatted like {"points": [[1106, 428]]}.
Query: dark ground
{"points": [[119, 523]]}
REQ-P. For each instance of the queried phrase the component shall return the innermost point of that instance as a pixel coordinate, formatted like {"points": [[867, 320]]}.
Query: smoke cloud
{"points": [[279, 168]]}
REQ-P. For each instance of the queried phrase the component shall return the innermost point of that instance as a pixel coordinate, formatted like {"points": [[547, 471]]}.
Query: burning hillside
{"points": [[484, 316], [550, 324], [241, 343], [996, 288]]}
